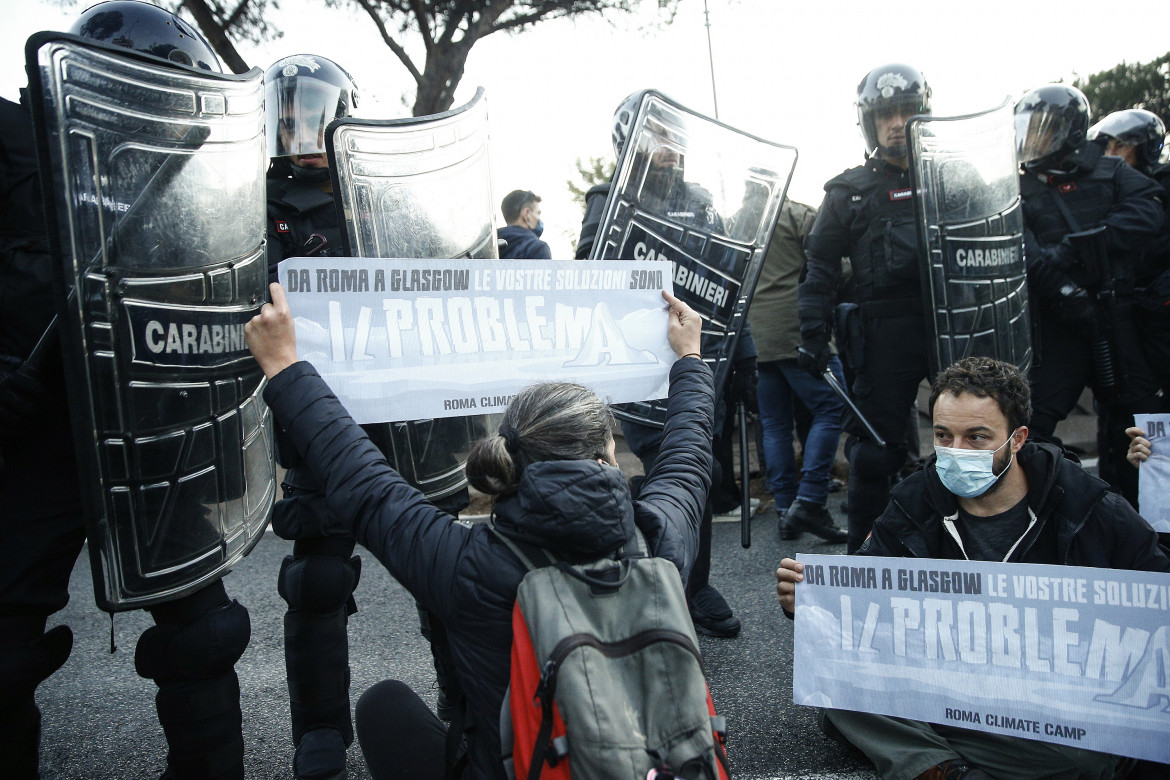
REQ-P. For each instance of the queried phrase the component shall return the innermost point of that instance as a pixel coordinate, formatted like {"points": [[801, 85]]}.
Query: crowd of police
{"points": [[1097, 252]]}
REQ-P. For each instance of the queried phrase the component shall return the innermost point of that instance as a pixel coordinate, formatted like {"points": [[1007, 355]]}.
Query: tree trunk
{"points": [[215, 35], [440, 77]]}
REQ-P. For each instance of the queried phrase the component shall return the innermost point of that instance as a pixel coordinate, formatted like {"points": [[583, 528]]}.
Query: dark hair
{"points": [[545, 421], [514, 203], [986, 377]]}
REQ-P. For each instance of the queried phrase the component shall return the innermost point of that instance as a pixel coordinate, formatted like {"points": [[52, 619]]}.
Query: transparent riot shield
{"points": [[419, 187], [967, 196], [157, 217], [705, 196]]}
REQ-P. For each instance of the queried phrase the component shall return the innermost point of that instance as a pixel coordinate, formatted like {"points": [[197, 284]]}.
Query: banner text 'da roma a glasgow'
{"points": [[418, 339], [1065, 654]]}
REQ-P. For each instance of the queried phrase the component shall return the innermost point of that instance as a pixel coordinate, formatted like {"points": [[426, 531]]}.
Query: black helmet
{"points": [[303, 94], [148, 29], [623, 120], [1052, 122], [1136, 127], [892, 87]]}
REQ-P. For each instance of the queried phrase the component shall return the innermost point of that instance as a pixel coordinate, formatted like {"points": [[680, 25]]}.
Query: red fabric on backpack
{"points": [[720, 745], [525, 679]]}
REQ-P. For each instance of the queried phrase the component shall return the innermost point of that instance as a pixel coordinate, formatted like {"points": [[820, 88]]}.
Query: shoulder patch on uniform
{"points": [[282, 226], [901, 194]]}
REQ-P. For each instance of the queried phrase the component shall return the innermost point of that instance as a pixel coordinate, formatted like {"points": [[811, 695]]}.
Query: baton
{"points": [[827, 375], [745, 506]]}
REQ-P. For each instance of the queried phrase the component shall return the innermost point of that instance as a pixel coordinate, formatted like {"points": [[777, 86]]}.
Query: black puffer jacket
{"points": [[1079, 522], [462, 572]]}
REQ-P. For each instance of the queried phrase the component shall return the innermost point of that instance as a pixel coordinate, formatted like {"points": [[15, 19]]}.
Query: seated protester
{"points": [[989, 495], [553, 472]]}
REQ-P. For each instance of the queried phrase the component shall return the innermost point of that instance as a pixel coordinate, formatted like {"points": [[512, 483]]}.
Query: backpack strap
{"points": [[538, 552]]}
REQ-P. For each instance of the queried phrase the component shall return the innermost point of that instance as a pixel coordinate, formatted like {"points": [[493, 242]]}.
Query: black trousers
{"points": [[884, 388], [399, 735]]}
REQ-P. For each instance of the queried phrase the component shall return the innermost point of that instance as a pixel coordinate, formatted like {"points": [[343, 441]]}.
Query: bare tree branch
{"points": [[216, 35], [388, 39]]}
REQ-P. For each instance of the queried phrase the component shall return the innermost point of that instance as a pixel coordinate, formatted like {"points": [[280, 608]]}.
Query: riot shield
{"points": [[967, 196], [156, 212], [418, 187], [705, 196]]}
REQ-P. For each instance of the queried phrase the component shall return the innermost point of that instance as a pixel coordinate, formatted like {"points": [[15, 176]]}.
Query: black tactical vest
{"points": [[297, 211], [884, 237]]}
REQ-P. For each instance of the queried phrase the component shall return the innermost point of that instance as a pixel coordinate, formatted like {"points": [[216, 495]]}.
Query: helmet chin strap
{"points": [[309, 175]]}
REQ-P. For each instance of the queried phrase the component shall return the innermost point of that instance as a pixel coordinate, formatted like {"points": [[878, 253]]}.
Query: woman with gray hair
{"points": [[551, 471]]}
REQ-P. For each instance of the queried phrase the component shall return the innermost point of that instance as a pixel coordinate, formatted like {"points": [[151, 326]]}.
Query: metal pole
{"points": [[711, 58]]}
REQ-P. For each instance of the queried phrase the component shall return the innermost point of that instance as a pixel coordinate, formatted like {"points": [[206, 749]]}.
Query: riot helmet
{"points": [[1052, 122], [1136, 127], [888, 90], [623, 120], [148, 29], [302, 95]]}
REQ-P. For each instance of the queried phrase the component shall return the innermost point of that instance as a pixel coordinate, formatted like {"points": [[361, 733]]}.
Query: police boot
{"points": [[317, 581], [191, 654], [28, 656]]}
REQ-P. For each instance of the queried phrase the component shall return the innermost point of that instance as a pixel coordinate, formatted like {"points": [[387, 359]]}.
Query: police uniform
{"points": [[43, 526], [868, 216], [319, 578], [1096, 191]]}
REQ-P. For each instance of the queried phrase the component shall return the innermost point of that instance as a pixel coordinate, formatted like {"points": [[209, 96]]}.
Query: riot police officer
{"points": [[191, 650], [1088, 218], [868, 215], [1138, 137], [304, 93], [667, 191]]}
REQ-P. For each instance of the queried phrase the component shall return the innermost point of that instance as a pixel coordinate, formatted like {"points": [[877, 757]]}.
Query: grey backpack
{"points": [[607, 681]]}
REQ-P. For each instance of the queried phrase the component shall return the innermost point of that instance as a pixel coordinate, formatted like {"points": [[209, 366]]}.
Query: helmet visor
{"points": [[297, 111], [1041, 132]]}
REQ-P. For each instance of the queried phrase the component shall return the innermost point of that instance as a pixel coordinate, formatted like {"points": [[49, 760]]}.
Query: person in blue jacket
{"points": [[521, 235], [552, 470]]}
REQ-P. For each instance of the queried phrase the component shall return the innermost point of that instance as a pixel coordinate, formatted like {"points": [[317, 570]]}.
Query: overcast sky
{"points": [[787, 72]]}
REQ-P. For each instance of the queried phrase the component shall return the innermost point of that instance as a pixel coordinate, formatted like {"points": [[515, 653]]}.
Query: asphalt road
{"points": [[99, 717]]}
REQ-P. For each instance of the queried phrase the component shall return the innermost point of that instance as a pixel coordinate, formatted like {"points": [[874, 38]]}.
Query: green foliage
{"points": [[1129, 85], [594, 171]]}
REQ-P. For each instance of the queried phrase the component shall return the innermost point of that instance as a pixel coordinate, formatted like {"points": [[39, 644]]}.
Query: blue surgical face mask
{"points": [[539, 227], [968, 473]]}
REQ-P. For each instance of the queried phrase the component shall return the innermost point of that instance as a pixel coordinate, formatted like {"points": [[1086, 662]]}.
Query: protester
{"points": [[191, 651], [988, 494], [783, 384], [868, 216], [552, 471], [1082, 284], [521, 235]]}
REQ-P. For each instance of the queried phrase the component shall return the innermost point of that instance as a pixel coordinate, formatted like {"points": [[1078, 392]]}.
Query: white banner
{"points": [[1071, 655], [1154, 473], [419, 339]]}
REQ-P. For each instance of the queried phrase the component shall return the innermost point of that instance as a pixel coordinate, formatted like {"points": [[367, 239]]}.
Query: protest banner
{"points": [[422, 339], [1154, 473], [1070, 655]]}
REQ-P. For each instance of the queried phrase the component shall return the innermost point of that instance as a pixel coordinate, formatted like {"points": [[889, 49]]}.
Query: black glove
{"points": [[21, 393], [1074, 308], [813, 355], [1048, 277], [744, 378]]}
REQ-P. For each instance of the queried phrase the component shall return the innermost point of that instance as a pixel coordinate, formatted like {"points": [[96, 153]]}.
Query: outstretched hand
{"points": [[684, 327], [271, 335]]}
